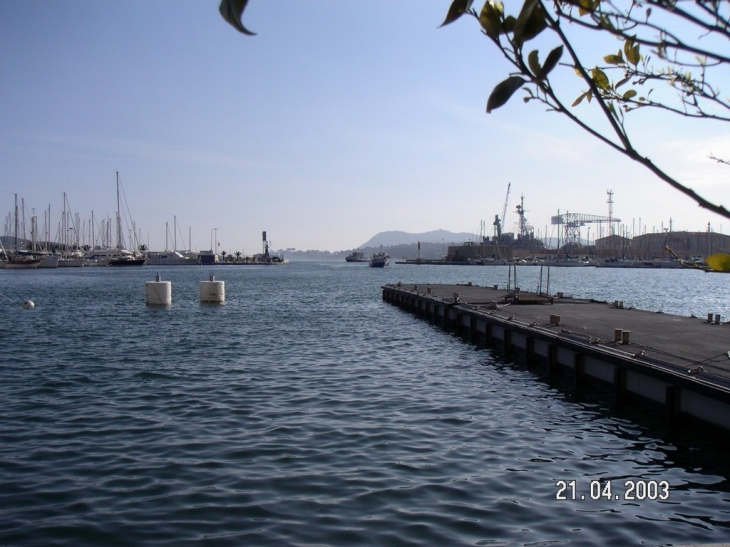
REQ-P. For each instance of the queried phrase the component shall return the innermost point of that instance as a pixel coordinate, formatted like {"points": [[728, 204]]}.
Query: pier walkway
{"points": [[682, 363]]}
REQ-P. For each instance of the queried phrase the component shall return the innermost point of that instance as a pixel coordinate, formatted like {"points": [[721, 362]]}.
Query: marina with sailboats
{"points": [[78, 244], [119, 242], [68, 250]]}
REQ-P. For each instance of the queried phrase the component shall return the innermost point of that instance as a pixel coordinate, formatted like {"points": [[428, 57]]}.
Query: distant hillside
{"points": [[430, 251], [399, 245], [389, 239]]}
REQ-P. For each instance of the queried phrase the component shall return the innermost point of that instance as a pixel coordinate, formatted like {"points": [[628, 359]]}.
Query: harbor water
{"points": [[305, 411]]}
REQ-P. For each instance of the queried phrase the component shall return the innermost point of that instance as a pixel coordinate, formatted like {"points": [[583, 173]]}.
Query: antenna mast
{"points": [[610, 211]]}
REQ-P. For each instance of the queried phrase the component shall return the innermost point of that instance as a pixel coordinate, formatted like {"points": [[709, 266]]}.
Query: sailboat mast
{"points": [[16, 223], [33, 229], [22, 210], [64, 222], [119, 220]]}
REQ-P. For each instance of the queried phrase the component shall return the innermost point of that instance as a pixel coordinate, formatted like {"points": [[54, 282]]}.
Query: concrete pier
{"points": [[680, 363]]}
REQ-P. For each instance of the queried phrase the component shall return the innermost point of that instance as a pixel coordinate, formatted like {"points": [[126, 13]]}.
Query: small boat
{"points": [[172, 258], [379, 260], [121, 257], [49, 261], [128, 260], [269, 259], [356, 256], [19, 261], [71, 260], [93, 262], [621, 263], [571, 262], [117, 255]]}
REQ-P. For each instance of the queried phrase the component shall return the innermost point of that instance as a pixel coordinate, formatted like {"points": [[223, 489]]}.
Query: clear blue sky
{"points": [[337, 121]]}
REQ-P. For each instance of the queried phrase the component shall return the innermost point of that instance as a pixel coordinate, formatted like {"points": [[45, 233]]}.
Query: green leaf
{"points": [[232, 10], [587, 6], [631, 49], [600, 79], [527, 8], [456, 10], [580, 98], [605, 23], [533, 59], [503, 91], [509, 24], [622, 82], [551, 61], [490, 18], [617, 59], [629, 94], [530, 22]]}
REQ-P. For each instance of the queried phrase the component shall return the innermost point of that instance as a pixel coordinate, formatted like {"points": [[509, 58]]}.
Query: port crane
{"points": [[572, 223], [499, 222]]}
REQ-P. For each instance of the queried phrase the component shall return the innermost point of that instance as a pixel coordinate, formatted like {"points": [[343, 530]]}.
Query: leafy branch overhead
{"points": [[232, 11], [669, 51], [668, 56]]}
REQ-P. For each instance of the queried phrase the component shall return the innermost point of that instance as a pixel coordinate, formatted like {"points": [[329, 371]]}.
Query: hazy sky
{"points": [[340, 119]]}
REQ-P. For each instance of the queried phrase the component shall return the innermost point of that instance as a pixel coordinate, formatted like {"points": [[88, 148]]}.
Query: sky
{"points": [[337, 121]]}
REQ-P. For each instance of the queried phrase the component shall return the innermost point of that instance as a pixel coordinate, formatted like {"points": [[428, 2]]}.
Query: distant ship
{"points": [[268, 258], [379, 260], [356, 256]]}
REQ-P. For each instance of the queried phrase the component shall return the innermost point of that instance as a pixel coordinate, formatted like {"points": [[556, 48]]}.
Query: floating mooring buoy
{"points": [[158, 293], [213, 291]]}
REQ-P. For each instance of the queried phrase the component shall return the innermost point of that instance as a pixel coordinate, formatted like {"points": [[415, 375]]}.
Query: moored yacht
{"points": [[22, 261], [172, 258]]}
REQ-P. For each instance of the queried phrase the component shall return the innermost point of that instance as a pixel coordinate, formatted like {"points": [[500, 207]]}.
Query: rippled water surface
{"points": [[305, 411]]}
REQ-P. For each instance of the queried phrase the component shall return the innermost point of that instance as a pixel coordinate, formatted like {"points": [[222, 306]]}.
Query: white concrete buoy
{"points": [[28, 304], [213, 291], [158, 293]]}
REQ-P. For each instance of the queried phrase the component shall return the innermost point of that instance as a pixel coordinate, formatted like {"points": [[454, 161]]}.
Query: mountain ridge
{"points": [[396, 237]]}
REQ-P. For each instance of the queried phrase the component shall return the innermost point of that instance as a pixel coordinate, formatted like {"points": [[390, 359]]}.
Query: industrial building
{"points": [[649, 246]]}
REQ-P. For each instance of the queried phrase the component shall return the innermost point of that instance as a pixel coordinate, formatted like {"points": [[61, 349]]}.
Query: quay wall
{"points": [[630, 374]]}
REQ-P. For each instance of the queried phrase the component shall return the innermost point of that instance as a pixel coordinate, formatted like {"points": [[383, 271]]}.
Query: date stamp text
{"points": [[627, 490]]}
